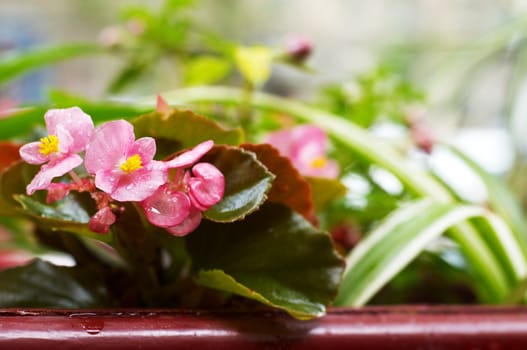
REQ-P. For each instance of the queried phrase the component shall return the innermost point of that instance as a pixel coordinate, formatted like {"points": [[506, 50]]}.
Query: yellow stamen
{"points": [[131, 164], [319, 162], [48, 145]]}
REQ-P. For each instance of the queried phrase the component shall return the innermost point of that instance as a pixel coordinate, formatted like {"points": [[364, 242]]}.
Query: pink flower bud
{"points": [[177, 206], [102, 220], [57, 191], [298, 48]]}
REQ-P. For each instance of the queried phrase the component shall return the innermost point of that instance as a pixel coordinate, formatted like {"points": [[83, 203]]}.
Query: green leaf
{"points": [[41, 284], [274, 256], [13, 64], [21, 122], [67, 216], [247, 182], [204, 70], [501, 200], [395, 243], [127, 76], [180, 129], [495, 231]]}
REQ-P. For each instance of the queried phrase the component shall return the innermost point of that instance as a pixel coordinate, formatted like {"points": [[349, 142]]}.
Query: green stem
{"points": [[245, 113], [488, 272]]}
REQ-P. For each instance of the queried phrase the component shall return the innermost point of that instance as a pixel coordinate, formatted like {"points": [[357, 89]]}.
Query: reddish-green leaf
{"points": [[181, 129], [289, 187], [8, 154]]}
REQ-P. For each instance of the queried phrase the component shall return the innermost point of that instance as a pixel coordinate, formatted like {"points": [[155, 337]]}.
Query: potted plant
{"points": [[240, 215]]}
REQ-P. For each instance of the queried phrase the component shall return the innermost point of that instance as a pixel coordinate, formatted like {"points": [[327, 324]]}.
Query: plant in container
{"points": [[214, 197]]}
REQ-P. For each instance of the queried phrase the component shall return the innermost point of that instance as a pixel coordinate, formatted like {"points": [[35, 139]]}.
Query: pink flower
{"points": [[177, 206], [306, 146], [69, 130], [124, 167]]}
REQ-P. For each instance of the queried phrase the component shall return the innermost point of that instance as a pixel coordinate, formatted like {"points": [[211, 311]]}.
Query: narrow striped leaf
{"points": [[501, 200], [395, 243]]}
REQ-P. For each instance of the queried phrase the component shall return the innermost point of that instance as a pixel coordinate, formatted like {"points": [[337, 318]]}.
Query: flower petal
{"points": [[77, 123], [188, 225], [30, 153], [140, 184], [51, 170], [306, 146], [207, 186], [109, 145], [166, 208], [190, 157], [66, 140], [107, 180], [145, 147]]}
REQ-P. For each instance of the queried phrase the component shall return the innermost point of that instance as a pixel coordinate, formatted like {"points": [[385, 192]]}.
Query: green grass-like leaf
{"points": [[501, 200], [14, 64], [401, 238]]}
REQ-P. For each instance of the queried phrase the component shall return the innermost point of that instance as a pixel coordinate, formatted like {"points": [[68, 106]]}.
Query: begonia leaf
{"points": [[69, 215], [289, 187], [41, 284], [13, 180], [247, 182], [181, 129], [274, 256], [8, 154]]}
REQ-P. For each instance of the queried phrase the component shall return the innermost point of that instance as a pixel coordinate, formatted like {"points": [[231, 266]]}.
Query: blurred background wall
{"points": [[433, 42]]}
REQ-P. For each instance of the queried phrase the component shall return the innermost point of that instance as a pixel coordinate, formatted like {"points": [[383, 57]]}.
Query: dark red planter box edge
{"points": [[399, 327]]}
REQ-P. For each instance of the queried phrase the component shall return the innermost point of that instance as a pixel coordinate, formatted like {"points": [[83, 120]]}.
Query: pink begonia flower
{"points": [[306, 146], [178, 204], [124, 167], [69, 130]]}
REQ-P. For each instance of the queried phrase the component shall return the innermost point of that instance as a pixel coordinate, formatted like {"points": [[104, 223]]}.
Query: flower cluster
{"points": [[173, 193]]}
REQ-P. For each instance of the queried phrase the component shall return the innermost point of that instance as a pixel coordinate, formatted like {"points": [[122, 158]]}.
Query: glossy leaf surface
{"points": [[274, 256]]}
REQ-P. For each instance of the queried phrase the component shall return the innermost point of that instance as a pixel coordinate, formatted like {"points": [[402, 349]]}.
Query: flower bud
{"points": [[101, 221], [298, 48], [57, 191]]}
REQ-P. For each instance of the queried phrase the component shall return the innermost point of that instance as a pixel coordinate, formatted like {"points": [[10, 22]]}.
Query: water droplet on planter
{"points": [[92, 326]]}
